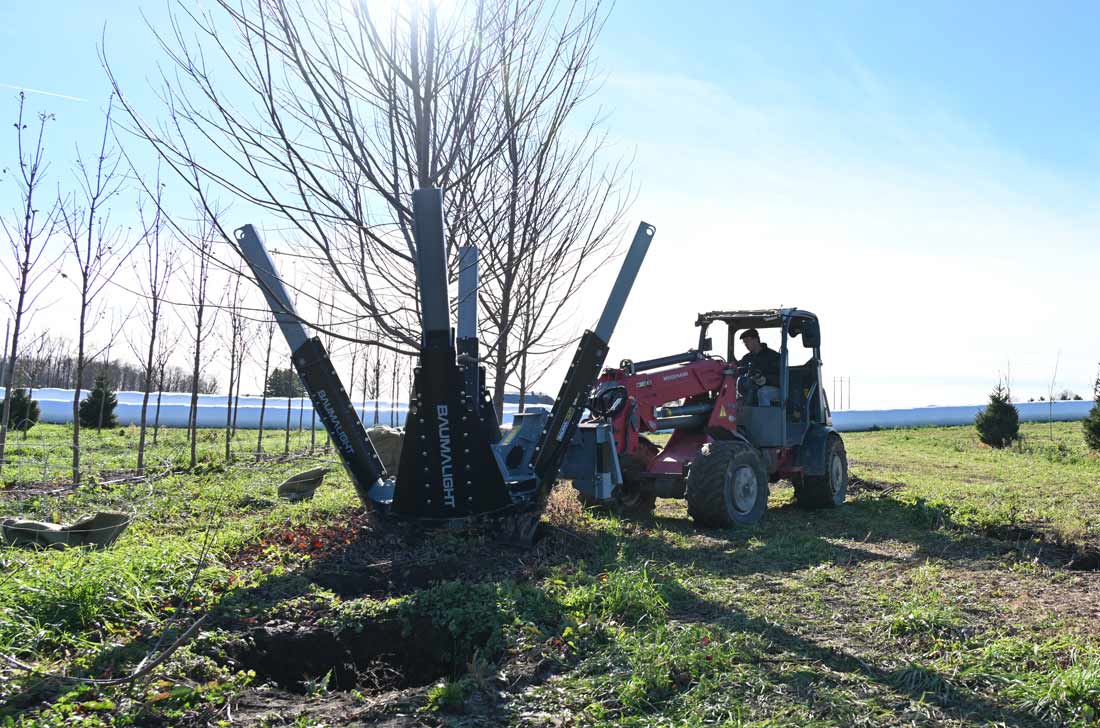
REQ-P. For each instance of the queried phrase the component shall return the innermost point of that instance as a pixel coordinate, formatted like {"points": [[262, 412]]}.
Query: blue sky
{"points": [[922, 175]]}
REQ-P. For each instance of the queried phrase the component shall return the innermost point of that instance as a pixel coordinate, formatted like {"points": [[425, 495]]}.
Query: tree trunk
{"points": [[9, 377], [377, 387], [286, 435], [393, 394], [312, 429], [156, 417], [237, 392], [146, 387], [500, 363], [78, 380], [30, 397], [263, 400], [107, 384], [522, 382], [229, 398], [500, 374], [193, 418], [366, 381]]}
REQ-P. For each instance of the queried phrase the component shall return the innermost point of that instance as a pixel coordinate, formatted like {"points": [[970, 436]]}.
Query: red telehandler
{"points": [[725, 448]]}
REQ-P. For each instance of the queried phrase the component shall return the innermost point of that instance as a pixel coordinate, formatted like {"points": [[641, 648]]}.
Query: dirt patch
{"points": [[360, 554], [292, 636], [270, 707], [858, 485], [1031, 538], [381, 654], [1034, 537]]}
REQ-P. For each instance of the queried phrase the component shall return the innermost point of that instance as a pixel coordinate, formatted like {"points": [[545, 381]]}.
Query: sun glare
{"points": [[386, 10]]}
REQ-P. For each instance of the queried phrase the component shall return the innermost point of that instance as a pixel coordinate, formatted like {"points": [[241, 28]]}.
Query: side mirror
{"points": [[707, 344], [811, 334]]}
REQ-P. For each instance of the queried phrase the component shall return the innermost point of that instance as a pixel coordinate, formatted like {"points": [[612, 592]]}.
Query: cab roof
{"points": [[762, 318]]}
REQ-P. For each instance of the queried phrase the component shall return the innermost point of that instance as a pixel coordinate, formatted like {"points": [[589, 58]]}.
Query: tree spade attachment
{"points": [[456, 465]]}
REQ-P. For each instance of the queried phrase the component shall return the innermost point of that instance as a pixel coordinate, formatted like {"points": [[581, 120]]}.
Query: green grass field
{"points": [[938, 595], [43, 455]]}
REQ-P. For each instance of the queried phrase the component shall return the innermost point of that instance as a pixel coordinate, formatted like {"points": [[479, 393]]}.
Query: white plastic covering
{"points": [[855, 420], [56, 406]]}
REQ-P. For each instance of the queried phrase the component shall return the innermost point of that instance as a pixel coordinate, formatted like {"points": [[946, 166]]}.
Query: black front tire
{"points": [[727, 485], [828, 490]]}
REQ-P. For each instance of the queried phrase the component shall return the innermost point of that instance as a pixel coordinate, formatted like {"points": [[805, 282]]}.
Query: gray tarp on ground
{"points": [[387, 442], [302, 485], [98, 531]]}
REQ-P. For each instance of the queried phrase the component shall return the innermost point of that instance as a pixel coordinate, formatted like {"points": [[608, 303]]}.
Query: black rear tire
{"points": [[828, 490], [727, 485]]}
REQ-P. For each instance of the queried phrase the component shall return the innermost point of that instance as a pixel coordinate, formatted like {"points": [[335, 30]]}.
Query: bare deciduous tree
{"points": [[167, 344], [236, 334], [270, 326], [97, 248], [203, 310], [543, 213], [28, 232], [154, 278], [359, 109]]}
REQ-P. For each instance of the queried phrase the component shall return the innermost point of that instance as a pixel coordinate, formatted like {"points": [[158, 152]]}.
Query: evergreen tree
{"points": [[24, 410], [98, 408], [1091, 425], [284, 383], [999, 423]]}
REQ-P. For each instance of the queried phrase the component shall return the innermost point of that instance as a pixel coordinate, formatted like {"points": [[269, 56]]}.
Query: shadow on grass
{"points": [[791, 539], [395, 563], [276, 626], [954, 700]]}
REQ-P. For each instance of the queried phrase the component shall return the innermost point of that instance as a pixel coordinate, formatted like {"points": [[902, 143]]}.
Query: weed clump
{"points": [[449, 696], [998, 424]]}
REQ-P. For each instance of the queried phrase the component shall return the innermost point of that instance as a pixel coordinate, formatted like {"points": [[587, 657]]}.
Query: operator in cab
{"points": [[762, 365]]}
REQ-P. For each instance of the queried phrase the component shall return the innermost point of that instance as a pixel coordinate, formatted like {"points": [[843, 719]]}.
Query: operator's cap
{"points": [[750, 333]]}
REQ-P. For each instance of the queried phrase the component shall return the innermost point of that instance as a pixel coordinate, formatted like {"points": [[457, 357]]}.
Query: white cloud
{"points": [[934, 255]]}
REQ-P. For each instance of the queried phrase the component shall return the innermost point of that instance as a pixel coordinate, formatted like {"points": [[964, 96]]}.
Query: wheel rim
{"points": [[744, 488], [836, 474]]}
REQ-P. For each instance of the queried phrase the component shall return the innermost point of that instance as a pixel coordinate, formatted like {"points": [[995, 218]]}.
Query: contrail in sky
{"points": [[44, 93]]}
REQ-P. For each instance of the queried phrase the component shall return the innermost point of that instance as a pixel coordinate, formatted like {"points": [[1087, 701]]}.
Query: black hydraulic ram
{"points": [[315, 369], [587, 362], [634, 367]]}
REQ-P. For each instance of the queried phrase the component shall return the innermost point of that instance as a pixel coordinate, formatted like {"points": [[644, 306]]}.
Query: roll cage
{"points": [[800, 389]]}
